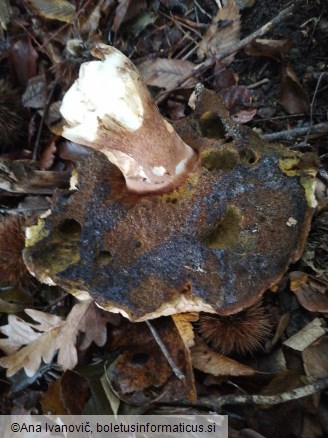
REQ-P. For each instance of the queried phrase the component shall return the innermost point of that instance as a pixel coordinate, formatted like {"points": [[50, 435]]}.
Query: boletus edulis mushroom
{"points": [[198, 215]]}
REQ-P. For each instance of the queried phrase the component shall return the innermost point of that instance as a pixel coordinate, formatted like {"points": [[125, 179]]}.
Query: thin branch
{"points": [[209, 62], [166, 352], [15, 211], [290, 134], [215, 403], [312, 106], [44, 115]]}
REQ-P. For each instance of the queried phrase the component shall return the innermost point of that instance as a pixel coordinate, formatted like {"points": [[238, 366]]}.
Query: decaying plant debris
{"points": [[131, 250]]}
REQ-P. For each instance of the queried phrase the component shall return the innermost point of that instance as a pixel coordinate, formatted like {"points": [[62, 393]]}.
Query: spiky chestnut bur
{"points": [[13, 120], [241, 333], [110, 109], [12, 242]]}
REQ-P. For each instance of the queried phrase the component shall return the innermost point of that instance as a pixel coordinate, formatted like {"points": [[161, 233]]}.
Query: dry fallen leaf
{"points": [[283, 381], [238, 100], [307, 335], [89, 22], [165, 73], [39, 346], [275, 49], [208, 361], [35, 95], [120, 12], [223, 33], [93, 326], [27, 344], [236, 96], [292, 96], [224, 77], [244, 115], [183, 323], [139, 373], [311, 292], [23, 60], [112, 398], [60, 10], [315, 359], [66, 395], [48, 155]]}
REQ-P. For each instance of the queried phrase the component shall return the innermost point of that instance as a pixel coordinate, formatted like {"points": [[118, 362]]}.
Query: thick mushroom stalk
{"points": [[109, 108]]}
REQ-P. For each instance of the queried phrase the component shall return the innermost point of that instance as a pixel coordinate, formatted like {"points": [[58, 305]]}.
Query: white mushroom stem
{"points": [[109, 108]]}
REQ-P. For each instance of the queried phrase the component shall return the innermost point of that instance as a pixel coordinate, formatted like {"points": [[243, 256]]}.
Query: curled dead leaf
{"points": [[165, 73], [121, 10], [23, 60], [311, 292], [48, 155], [183, 323], [237, 99], [66, 395], [275, 49], [206, 360], [224, 78], [244, 115], [35, 95], [292, 96], [315, 359], [60, 10], [307, 335], [223, 33]]}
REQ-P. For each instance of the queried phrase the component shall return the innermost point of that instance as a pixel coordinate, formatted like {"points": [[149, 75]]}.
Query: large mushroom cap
{"points": [[214, 244]]}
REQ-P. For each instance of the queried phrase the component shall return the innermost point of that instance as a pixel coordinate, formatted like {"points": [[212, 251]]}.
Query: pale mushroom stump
{"points": [[211, 232]]}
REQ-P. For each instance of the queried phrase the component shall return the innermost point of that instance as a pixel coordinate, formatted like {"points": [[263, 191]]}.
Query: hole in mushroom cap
{"points": [[226, 233], [171, 200], [103, 257], [249, 156], [216, 159], [140, 359], [70, 228], [211, 126], [186, 288]]}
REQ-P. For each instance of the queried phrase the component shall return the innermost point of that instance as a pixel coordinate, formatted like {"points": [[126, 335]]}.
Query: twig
{"points": [[15, 211], [312, 106], [290, 134], [56, 301], [202, 10], [215, 403], [257, 84], [313, 30], [166, 352], [44, 115], [202, 67]]}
